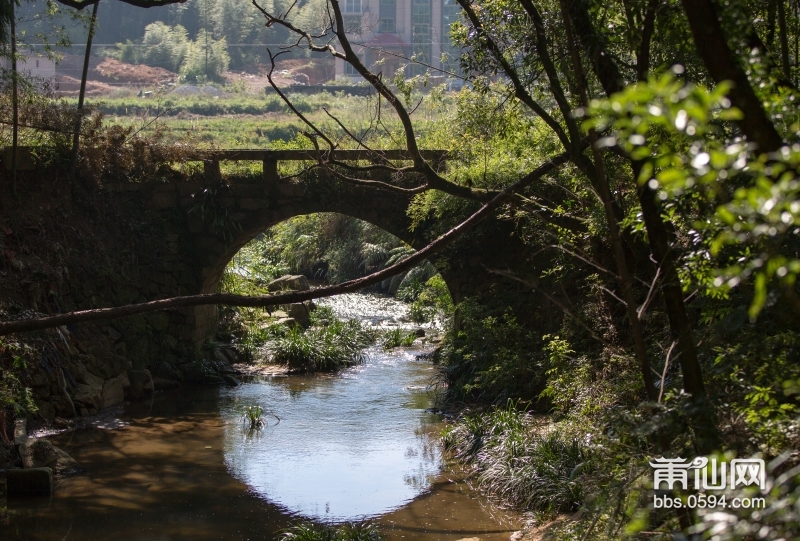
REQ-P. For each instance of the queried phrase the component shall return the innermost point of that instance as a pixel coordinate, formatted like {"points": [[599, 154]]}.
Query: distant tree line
{"points": [[190, 36]]}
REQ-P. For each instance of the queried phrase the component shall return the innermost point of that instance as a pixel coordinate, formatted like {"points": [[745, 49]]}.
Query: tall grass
{"points": [[529, 469], [398, 338], [323, 349], [349, 531]]}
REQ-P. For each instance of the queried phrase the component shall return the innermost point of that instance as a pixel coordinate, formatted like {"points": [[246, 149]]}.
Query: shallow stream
{"points": [[358, 444]]}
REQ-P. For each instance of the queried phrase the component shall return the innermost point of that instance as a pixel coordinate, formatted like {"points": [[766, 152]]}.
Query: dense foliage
{"points": [[673, 239], [670, 225], [197, 61], [327, 348]]}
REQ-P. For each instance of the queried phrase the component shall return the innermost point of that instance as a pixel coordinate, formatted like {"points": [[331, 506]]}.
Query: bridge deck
{"points": [[256, 154], [270, 158]]}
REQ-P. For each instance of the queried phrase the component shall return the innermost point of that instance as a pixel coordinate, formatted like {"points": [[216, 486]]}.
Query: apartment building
{"points": [[385, 33]]}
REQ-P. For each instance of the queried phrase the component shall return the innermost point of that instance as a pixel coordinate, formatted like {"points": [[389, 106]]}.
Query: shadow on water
{"points": [[183, 466], [161, 477]]}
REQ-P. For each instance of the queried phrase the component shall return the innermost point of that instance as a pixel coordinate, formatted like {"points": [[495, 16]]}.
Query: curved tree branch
{"points": [[434, 180], [519, 89]]}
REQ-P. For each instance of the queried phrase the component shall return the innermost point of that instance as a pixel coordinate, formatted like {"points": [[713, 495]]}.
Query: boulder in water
{"points": [[289, 283]]}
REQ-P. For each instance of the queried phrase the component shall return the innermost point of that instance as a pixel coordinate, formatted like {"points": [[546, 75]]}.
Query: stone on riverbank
{"points": [[300, 313], [38, 453], [89, 396], [162, 384], [114, 390], [141, 384], [20, 431], [288, 321]]}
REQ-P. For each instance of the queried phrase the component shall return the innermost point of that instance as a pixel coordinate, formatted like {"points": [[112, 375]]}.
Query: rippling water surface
{"points": [[357, 444], [354, 445]]}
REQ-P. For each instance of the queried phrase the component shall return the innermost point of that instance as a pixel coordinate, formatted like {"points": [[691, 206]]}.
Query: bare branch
{"points": [[291, 105], [372, 183], [519, 89], [650, 294], [664, 372]]}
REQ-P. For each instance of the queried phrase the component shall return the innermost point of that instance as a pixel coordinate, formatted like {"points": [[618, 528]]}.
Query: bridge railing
{"points": [[211, 158], [270, 158]]}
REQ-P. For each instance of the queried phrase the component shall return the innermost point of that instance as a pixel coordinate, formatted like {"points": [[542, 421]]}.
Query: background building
{"points": [[385, 33], [32, 66]]}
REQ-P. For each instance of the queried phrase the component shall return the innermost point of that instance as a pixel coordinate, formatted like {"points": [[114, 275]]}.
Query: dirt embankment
{"points": [[108, 74]]}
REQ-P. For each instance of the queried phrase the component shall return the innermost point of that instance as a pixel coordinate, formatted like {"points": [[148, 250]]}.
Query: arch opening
{"points": [[326, 248]]}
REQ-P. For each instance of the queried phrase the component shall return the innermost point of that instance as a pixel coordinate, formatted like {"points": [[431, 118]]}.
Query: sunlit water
{"points": [[348, 446], [354, 445]]}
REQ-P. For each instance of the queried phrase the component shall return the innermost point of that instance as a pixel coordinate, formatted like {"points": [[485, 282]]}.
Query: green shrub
{"points": [[430, 300], [323, 349], [206, 59], [490, 358], [14, 359]]}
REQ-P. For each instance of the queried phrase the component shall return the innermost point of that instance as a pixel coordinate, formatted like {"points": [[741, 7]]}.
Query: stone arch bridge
{"points": [[203, 224]]}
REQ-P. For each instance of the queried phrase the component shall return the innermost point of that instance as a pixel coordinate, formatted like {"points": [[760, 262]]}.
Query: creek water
{"points": [[355, 445]]}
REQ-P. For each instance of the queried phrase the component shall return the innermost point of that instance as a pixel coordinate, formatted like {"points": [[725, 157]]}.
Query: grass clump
{"points": [[517, 464], [253, 415], [491, 358], [348, 531], [398, 338], [323, 349]]}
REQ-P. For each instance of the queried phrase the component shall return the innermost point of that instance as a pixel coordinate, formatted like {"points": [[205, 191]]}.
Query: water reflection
{"points": [[347, 447]]}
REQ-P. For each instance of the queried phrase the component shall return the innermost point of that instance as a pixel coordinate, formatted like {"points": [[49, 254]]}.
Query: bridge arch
{"points": [[203, 225], [253, 208]]}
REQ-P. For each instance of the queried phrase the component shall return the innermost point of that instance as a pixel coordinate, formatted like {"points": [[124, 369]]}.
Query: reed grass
{"points": [[397, 338], [520, 464], [323, 349], [349, 531], [253, 415]]}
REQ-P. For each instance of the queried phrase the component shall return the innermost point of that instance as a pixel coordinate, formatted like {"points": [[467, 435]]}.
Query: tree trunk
{"points": [[657, 235], [784, 40], [723, 65], [84, 75], [600, 184], [14, 99]]}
